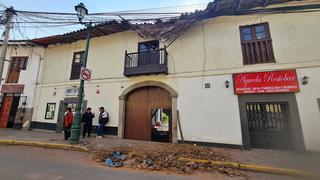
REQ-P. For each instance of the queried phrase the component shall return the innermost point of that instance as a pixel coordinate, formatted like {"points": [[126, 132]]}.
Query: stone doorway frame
{"points": [[122, 106]]}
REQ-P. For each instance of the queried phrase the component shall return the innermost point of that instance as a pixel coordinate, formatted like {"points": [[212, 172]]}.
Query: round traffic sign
{"points": [[85, 74]]}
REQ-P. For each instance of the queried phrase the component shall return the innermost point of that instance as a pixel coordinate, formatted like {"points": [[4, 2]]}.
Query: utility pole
{"points": [[9, 12]]}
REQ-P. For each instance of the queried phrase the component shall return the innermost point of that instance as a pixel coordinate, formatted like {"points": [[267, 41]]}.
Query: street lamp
{"points": [[76, 125]]}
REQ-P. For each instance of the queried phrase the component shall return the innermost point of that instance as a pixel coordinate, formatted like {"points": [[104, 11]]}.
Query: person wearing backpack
{"points": [[103, 120]]}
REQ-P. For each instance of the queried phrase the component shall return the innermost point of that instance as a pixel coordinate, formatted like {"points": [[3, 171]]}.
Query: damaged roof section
{"points": [[168, 31], [103, 29], [174, 29]]}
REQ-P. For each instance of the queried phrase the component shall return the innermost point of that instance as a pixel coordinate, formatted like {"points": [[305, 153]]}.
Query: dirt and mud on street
{"points": [[164, 157]]}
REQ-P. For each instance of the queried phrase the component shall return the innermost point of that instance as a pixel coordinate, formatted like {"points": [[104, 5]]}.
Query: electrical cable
{"points": [[204, 53]]}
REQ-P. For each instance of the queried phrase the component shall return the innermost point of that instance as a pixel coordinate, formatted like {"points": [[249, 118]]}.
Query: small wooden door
{"points": [[139, 106], [5, 111]]}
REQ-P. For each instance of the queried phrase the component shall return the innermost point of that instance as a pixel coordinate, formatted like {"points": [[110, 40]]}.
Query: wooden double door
{"points": [[8, 110], [140, 106]]}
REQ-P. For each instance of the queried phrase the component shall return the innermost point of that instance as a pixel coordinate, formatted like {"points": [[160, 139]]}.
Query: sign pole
{"points": [[76, 124]]}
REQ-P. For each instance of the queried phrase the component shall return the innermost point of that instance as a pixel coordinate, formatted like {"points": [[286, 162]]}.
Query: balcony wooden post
{"points": [[125, 60], [165, 55]]}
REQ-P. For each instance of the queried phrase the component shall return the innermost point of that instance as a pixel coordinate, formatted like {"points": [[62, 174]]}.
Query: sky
{"points": [[95, 6]]}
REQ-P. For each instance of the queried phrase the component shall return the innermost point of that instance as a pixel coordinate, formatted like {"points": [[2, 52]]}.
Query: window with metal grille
{"points": [[256, 44], [78, 58]]}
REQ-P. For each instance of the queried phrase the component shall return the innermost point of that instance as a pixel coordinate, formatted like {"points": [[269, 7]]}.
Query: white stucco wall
{"points": [[309, 108], [209, 115], [108, 97], [27, 77]]}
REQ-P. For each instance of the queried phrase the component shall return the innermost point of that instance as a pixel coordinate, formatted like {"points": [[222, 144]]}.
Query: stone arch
{"points": [[172, 92], [126, 92]]}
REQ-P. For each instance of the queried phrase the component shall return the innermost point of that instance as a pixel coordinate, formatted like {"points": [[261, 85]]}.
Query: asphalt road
{"points": [[19, 163]]}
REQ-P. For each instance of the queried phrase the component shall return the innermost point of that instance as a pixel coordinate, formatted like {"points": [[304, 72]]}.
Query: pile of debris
{"points": [[164, 157]]}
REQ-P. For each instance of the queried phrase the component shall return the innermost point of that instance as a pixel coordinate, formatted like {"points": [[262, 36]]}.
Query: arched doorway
{"points": [[148, 115], [147, 97]]}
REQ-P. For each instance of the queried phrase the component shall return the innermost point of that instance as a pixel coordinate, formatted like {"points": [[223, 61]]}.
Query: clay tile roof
{"points": [[170, 30]]}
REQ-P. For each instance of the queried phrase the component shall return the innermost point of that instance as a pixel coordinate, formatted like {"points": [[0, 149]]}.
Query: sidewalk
{"points": [[52, 137], [276, 158]]}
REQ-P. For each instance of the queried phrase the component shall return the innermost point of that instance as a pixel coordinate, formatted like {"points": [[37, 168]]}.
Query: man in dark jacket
{"points": [[87, 120]]}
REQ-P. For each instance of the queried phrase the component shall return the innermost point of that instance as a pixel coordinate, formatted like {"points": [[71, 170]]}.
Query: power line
{"points": [[128, 12]]}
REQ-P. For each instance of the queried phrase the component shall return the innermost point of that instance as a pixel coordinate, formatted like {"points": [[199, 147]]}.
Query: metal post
{"points": [[9, 12], [76, 124]]}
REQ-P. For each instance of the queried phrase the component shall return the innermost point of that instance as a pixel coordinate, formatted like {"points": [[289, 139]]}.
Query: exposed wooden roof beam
{"points": [[239, 5], [216, 6], [99, 29]]}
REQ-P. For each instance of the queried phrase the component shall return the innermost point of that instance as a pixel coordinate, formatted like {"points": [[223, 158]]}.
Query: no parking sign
{"points": [[85, 74]]}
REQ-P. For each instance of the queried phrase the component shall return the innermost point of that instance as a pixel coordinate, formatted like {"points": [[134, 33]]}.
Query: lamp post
{"points": [[76, 125]]}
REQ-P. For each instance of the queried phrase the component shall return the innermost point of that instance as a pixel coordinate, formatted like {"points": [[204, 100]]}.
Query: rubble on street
{"points": [[165, 157]]}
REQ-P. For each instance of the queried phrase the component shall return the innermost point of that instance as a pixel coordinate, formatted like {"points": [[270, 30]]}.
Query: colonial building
{"points": [[18, 86], [240, 73]]}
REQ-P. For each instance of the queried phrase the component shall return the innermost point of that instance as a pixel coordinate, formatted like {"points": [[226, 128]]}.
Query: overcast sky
{"points": [[93, 6]]}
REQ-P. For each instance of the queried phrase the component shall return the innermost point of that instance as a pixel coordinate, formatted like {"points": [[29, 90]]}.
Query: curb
{"points": [[45, 145], [257, 168]]}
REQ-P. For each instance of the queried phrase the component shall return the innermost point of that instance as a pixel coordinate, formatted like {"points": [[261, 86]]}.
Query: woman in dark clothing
{"points": [[68, 118], [87, 120]]}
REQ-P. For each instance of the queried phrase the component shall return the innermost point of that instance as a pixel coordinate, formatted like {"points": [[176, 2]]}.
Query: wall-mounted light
{"points": [[54, 92], [227, 83], [98, 89], [305, 80]]}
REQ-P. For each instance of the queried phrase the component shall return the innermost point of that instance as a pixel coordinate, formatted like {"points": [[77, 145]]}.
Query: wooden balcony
{"points": [[143, 63]]}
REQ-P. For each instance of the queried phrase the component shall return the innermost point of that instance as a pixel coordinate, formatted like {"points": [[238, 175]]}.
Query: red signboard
{"points": [[12, 88], [266, 82]]}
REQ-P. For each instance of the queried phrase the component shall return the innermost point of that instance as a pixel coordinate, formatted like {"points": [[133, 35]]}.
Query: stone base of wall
{"points": [[113, 131], [43, 126], [233, 146]]}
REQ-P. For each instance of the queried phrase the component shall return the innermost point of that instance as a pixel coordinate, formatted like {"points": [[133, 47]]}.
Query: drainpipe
{"points": [[34, 99]]}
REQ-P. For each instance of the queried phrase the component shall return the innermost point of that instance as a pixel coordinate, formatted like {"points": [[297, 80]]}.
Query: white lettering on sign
{"points": [[73, 91], [266, 82], [272, 78], [245, 80]]}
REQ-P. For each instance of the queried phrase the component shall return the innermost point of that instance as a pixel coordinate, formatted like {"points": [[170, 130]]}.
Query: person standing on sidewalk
{"points": [[103, 120], [87, 122], [68, 118]]}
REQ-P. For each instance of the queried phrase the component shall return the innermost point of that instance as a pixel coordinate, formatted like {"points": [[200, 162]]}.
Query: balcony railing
{"points": [[151, 62]]}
